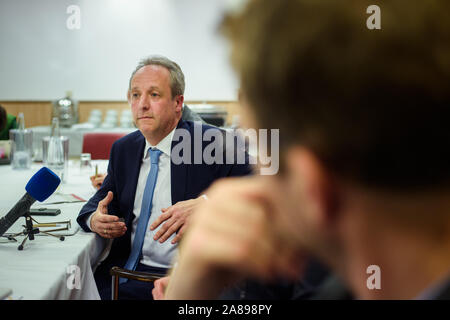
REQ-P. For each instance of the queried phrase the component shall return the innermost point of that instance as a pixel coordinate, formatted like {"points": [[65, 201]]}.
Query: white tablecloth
{"points": [[42, 269]]}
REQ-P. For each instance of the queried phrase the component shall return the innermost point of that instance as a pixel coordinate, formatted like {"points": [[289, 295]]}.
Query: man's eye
{"points": [[154, 94], [135, 95]]}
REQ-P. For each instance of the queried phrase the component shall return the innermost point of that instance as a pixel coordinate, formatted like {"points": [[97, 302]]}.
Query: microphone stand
{"points": [[31, 230]]}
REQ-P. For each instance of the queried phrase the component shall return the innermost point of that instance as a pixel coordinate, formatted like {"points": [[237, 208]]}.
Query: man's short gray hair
{"points": [[176, 75]]}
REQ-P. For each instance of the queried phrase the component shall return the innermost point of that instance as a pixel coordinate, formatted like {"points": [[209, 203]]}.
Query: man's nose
{"points": [[144, 102]]}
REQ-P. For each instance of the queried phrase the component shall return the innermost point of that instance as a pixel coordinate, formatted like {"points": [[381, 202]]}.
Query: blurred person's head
{"points": [[156, 98], [3, 117], [363, 118]]}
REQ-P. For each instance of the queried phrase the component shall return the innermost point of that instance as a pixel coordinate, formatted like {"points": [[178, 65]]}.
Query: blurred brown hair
{"points": [[372, 104]]}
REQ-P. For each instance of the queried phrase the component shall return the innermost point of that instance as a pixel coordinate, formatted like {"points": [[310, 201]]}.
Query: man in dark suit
{"points": [[150, 190], [186, 115], [364, 184]]}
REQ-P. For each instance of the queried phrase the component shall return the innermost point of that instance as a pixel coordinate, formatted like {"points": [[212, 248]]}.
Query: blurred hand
{"points": [[177, 218], [235, 234], [97, 181], [105, 225], [160, 288]]}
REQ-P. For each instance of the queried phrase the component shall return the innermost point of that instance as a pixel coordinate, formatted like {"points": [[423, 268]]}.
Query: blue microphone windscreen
{"points": [[42, 184]]}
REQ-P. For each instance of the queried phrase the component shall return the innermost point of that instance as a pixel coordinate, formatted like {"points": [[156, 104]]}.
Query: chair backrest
{"points": [[98, 144]]}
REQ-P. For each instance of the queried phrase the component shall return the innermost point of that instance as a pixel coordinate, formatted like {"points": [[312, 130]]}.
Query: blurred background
{"points": [[49, 49]]}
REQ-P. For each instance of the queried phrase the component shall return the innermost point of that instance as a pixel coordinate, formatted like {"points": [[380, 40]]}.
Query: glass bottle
{"points": [[55, 150], [66, 110], [21, 155]]}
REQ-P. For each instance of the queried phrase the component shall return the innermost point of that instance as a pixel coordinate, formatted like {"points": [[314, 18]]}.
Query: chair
{"points": [[117, 273], [98, 144]]}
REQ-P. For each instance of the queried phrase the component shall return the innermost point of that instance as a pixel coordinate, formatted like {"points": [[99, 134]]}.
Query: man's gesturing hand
{"points": [[107, 226], [176, 218]]}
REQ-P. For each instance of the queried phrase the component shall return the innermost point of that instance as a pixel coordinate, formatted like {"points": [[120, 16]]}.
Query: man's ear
{"points": [[179, 99], [316, 185]]}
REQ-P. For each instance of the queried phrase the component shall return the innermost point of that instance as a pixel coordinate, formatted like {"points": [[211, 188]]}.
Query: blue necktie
{"points": [[146, 209]]}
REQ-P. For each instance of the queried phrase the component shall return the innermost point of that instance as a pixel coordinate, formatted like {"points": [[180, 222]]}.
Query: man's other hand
{"points": [[176, 219]]}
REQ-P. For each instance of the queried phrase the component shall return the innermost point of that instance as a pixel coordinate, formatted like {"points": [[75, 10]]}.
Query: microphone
{"points": [[41, 185]]}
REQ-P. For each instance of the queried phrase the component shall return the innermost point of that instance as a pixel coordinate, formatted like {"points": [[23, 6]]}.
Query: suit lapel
{"points": [[178, 175], [135, 167]]}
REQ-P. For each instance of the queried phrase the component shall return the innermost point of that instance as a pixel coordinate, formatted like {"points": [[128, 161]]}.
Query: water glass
{"points": [[85, 164]]}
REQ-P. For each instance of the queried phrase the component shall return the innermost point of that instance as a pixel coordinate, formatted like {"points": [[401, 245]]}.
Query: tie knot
{"points": [[154, 155]]}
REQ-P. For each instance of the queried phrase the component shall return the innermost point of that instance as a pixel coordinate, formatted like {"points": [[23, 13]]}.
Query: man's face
{"points": [[154, 111]]}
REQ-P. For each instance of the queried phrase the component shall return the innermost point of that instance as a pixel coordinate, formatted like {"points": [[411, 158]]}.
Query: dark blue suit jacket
{"points": [[188, 181]]}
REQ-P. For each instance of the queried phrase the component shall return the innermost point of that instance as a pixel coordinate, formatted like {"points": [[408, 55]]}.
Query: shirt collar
{"points": [[165, 145]]}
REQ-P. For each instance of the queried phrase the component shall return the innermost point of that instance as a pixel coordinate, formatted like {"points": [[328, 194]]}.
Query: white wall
{"points": [[40, 58]]}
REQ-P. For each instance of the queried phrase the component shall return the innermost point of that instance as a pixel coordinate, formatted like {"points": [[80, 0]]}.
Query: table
{"points": [[46, 267], [75, 136]]}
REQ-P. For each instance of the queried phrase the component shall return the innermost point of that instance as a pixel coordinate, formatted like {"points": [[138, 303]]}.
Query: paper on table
{"points": [[58, 198]]}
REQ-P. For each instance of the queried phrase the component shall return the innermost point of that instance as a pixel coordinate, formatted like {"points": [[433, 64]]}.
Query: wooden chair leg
{"points": [[115, 288]]}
